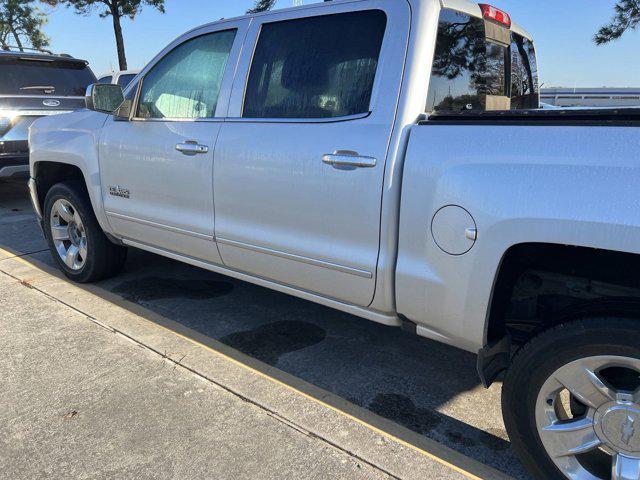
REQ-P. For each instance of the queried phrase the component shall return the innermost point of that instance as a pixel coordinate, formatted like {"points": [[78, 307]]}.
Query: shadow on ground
{"points": [[426, 387]]}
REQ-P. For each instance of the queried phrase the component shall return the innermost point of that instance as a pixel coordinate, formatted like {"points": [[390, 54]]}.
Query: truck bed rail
{"points": [[614, 117]]}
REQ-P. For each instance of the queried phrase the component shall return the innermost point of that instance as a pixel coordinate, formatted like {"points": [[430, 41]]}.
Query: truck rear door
{"points": [[299, 164]]}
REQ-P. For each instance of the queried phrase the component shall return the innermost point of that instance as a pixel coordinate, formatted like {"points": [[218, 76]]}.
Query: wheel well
{"points": [[541, 285], [47, 174]]}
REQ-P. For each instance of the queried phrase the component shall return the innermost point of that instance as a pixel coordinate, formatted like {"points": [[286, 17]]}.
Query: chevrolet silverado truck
{"points": [[34, 84], [384, 158]]}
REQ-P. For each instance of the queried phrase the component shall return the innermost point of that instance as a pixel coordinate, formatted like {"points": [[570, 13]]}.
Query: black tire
{"points": [[104, 258], [538, 360]]}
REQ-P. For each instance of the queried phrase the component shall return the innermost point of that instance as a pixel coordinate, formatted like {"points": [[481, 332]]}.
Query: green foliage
{"points": [[262, 6], [114, 8], [627, 17], [21, 23]]}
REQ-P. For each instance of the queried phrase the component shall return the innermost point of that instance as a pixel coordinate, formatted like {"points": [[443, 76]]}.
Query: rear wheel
{"points": [[571, 401], [77, 243]]}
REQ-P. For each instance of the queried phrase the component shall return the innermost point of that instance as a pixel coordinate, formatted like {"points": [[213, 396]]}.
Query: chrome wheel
{"points": [[588, 418], [68, 234]]}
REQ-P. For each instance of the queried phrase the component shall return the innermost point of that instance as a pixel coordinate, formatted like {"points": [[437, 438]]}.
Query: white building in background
{"points": [[591, 97]]}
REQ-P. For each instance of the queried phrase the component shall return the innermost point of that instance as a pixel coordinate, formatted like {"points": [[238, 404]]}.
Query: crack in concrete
{"points": [[23, 255]]}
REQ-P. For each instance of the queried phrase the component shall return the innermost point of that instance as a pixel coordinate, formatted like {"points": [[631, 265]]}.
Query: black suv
{"points": [[33, 85]]}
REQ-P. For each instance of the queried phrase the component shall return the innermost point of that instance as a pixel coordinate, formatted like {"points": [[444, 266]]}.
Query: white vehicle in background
{"points": [[363, 155], [122, 78]]}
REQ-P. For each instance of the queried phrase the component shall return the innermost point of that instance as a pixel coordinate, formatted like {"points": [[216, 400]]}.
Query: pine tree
{"points": [[627, 17], [21, 23], [262, 6], [117, 9]]}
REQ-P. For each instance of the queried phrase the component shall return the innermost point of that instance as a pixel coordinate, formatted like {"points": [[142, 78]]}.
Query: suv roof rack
{"points": [[14, 48]]}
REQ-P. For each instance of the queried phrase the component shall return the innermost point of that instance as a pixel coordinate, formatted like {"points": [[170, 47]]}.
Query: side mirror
{"points": [[103, 97]]}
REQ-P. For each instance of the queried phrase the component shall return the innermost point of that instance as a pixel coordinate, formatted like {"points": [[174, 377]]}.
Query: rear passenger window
{"points": [[185, 84], [317, 67]]}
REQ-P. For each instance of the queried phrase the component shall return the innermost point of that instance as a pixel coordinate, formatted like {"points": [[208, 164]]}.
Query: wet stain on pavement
{"points": [[269, 342], [156, 288], [402, 410]]}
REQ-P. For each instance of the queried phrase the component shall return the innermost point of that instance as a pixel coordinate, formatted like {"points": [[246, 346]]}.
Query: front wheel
{"points": [[77, 243], [571, 401]]}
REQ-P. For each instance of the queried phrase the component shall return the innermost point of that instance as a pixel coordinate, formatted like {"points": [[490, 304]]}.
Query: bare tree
{"points": [[116, 9]]}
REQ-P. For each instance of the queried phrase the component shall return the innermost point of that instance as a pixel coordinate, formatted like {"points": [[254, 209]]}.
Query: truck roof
{"points": [[466, 6]]}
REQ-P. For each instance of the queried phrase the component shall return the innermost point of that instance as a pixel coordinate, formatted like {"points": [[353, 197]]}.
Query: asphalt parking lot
{"points": [[294, 387]]}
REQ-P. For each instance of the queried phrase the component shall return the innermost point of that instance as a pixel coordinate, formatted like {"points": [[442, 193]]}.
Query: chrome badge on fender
{"points": [[118, 191]]}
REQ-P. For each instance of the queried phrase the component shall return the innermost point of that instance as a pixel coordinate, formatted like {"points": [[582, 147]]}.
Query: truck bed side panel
{"points": [[574, 185]]}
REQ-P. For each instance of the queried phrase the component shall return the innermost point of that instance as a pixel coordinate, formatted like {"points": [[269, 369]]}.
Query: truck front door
{"points": [[300, 163], [157, 167]]}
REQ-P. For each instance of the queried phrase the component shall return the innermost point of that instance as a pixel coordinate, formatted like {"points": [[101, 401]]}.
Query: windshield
{"points": [[29, 77]]}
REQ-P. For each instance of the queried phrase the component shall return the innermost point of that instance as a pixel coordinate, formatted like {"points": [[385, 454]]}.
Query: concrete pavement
{"points": [[81, 402]]}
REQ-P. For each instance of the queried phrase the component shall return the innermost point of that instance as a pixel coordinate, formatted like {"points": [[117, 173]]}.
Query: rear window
{"points": [[315, 67], [29, 77], [474, 71], [524, 74], [466, 67]]}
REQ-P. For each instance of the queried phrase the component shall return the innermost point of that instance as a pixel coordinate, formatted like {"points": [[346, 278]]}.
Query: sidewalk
{"points": [[79, 401]]}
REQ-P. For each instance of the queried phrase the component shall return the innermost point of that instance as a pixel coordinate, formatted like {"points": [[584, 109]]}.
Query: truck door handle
{"points": [[346, 158], [191, 147]]}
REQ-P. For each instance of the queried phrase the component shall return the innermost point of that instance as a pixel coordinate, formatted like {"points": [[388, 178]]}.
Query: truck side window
{"points": [[186, 82], [467, 67], [316, 67]]}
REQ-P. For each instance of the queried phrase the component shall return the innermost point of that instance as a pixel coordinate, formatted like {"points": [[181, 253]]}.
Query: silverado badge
{"points": [[118, 191]]}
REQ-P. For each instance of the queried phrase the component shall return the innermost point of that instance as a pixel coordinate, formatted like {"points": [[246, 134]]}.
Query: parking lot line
{"points": [[23, 260]]}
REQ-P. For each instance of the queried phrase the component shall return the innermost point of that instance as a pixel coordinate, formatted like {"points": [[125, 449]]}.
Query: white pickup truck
{"points": [[382, 157]]}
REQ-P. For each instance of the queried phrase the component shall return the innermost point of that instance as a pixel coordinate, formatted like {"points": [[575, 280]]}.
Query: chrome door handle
{"points": [[191, 148], [344, 158]]}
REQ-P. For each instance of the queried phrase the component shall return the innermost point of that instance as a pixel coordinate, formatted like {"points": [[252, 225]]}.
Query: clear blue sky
{"points": [[563, 30]]}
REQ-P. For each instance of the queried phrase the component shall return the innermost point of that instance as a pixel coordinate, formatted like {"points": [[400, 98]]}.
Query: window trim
{"points": [[136, 101], [342, 118]]}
